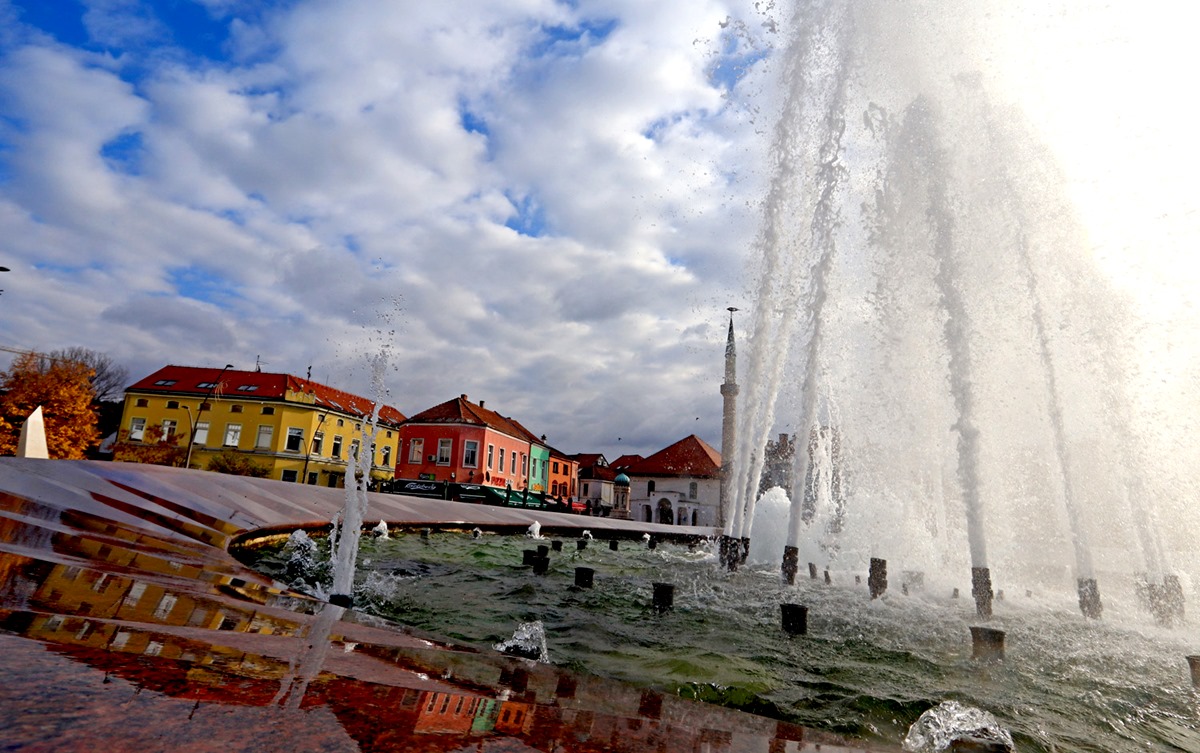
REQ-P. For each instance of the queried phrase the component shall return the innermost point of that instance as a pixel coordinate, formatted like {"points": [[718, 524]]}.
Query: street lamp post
{"points": [[192, 434], [308, 453], [191, 437]]}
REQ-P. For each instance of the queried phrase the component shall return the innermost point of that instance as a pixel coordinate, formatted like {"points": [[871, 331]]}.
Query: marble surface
{"points": [[125, 624]]}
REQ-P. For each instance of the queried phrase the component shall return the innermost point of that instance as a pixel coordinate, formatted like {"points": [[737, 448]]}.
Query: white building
{"points": [[680, 484]]}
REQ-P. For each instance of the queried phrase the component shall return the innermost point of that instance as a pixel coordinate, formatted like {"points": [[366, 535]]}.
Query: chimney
{"points": [[480, 403], [463, 397]]}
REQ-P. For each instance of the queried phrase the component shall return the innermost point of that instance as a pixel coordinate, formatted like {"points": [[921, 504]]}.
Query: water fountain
{"points": [[930, 324], [347, 526]]}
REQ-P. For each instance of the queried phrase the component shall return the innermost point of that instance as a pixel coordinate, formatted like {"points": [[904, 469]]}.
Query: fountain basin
{"points": [[125, 622]]}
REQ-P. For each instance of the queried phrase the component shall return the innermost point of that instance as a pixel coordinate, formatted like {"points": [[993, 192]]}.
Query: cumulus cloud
{"points": [[545, 205]]}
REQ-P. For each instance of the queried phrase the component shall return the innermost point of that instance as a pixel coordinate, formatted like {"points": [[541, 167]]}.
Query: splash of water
{"points": [[930, 323], [347, 528], [528, 641], [951, 722]]}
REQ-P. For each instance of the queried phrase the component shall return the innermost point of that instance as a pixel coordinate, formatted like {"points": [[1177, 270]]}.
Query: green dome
{"points": [[621, 480]]}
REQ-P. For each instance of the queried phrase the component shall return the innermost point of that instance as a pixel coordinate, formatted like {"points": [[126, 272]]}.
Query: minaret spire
{"points": [[729, 391]]}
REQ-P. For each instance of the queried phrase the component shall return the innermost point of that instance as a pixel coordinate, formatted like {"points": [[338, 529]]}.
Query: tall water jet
{"points": [[789, 291], [931, 327]]}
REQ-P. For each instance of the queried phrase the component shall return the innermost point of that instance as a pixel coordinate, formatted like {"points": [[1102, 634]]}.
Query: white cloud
{"points": [[343, 180]]}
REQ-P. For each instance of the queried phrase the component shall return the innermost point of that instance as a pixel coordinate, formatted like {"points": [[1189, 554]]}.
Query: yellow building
{"points": [[297, 429]]}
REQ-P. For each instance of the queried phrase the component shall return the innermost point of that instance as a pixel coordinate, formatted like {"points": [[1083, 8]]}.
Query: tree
{"points": [[155, 448], [236, 464], [108, 379], [63, 389]]}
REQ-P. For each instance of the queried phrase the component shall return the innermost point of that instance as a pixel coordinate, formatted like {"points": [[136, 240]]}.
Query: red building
{"points": [[463, 442]]}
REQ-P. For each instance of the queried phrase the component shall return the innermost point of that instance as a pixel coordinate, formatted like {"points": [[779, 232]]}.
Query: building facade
{"points": [[297, 429], [564, 475], [595, 481], [680, 484], [465, 443]]}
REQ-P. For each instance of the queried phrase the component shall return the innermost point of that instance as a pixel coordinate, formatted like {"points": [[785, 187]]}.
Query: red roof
{"points": [[462, 411], [597, 472], [690, 456], [258, 385], [625, 461], [589, 459]]}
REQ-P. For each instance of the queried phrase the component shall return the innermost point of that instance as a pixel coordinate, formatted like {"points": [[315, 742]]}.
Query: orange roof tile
{"points": [[460, 410], [690, 456]]}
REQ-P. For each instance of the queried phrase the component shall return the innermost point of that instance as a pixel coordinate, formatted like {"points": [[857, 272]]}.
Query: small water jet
{"points": [[528, 641], [953, 726], [346, 532]]}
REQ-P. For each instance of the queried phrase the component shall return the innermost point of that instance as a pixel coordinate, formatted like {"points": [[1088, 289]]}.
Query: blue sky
{"points": [[546, 205]]}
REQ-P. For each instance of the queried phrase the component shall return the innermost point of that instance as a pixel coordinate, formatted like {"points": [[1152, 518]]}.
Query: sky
{"points": [[544, 205]]}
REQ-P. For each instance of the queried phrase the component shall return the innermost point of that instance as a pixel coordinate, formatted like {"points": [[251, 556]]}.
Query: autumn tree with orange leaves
{"points": [[64, 390]]}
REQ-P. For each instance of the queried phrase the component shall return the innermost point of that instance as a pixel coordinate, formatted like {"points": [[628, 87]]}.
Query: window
{"points": [[387, 455], [290, 475], [168, 429], [312, 478], [340, 422], [336, 450], [135, 593], [265, 436], [554, 488], [268, 410], [470, 454], [172, 405], [491, 453], [524, 465], [650, 487], [444, 447], [585, 488], [501, 466], [556, 466], [235, 409], [318, 440], [164, 383], [389, 435], [513, 470], [247, 388], [354, 449], [692, 489], [233, 435], [206, 385], [201, 435], [142, 402], [137, 429], [165, 605], [415, 448], [295, 439]]}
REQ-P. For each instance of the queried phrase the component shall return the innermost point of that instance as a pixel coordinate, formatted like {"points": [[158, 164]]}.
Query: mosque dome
{"points": [[621, 480]]}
